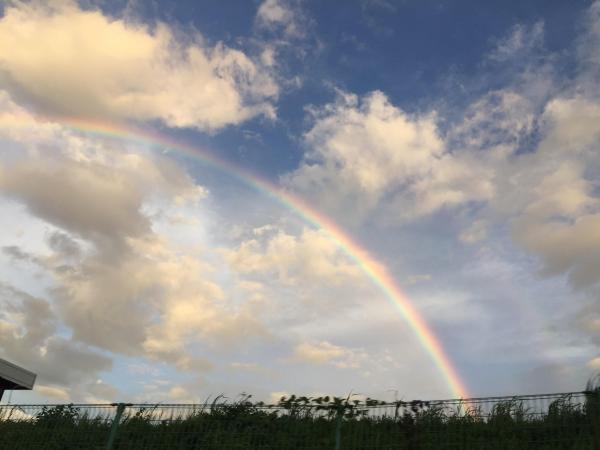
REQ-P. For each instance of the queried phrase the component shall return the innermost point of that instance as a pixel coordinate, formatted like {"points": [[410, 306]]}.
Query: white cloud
{"points": [[280, 14], [273, 11], [558, 212], [287, 277], [76, 62], [327, 353], [366, 153], [521, 40], [572, 124], [588, 51], [566, 248], [499, 118], [118, 281], [521, 160], [311, 257]]}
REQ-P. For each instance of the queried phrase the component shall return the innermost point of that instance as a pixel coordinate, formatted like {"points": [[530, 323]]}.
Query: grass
{"points": [[310, 423]]}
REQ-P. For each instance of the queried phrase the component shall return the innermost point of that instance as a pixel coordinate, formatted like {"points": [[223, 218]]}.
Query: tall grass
{"points": [[570, 421]]}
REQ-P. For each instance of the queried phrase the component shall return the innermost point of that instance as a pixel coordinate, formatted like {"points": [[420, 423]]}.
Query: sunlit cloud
{"points": [[84, 63]]}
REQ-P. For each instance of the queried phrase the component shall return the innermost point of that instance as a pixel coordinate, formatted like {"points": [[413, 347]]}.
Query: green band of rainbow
{"points": [[373, 269]]}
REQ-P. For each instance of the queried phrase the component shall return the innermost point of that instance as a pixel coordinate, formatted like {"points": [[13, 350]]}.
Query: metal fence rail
{"points": [[551, 421]]}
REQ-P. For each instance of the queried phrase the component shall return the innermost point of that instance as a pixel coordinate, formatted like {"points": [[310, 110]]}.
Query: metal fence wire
{"points": [[551, 421]]}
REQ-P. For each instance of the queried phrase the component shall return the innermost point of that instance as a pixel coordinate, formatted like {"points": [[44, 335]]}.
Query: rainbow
{"points": [[372, 268]]}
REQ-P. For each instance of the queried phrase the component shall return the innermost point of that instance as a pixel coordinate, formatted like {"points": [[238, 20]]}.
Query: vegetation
{"points": [[570, 421]]}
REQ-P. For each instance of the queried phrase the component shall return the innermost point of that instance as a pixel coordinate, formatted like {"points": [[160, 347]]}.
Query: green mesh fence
{"points": [[553, 421]]}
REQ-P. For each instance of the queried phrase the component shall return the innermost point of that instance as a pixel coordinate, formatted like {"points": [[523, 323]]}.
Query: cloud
{"points": [[245, 366], [280, 14], [364, 153], [118, 281], [544, 136], [555, 377], [594, 363], [28, 327], [117, 272], [499, 118], [106, 203], [53, 392], [115, 68], [476, 232], [327, 353], [17, 254], [288, 277], [538, 139], [566, 248], [273, 11], [311, 257], [275, 397], [64, 245], [418, 278], [588, 49], [588, 319], [100, 392], [282, 33], [521, 40], [560, 222], [519, 162]]}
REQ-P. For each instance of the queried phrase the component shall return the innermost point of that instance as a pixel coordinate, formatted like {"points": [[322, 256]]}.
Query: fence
{"points": [[552, 421]]}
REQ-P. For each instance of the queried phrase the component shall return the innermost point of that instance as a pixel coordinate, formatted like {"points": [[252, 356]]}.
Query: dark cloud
{"points": [[63, 244]]}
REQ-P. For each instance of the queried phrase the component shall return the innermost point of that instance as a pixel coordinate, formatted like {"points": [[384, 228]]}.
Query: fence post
{"points": [[115, 424], [338, 428]]}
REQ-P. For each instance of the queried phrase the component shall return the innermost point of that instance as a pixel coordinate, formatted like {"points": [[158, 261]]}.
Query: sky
{"points": [[394, 199]]}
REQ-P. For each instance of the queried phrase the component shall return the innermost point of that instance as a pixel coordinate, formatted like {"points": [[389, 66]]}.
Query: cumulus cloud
{"points": [[545, 176], [546, 166], [115, 68], [553, 201], [310, 257], [566, 248], [521, 159], [288, 277], [106, 204], [117, 281], [366, 152]]}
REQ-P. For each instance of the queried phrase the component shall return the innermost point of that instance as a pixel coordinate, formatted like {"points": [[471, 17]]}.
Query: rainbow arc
{"points": [[371, 267]]}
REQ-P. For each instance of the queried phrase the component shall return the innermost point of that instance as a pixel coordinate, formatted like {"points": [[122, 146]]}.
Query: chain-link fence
{"points": [[553, 421]]}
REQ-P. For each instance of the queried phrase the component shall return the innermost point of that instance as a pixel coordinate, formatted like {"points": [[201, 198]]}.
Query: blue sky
{"points": [[456, 141]]}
